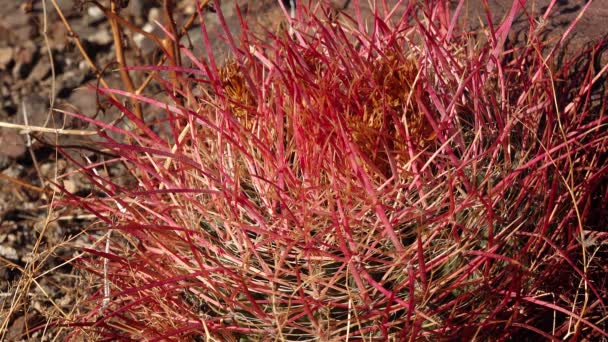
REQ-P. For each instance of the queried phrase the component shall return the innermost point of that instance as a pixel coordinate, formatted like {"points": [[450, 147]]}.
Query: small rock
{"points": [[14, 171], [12, 144], [20, 25], [100, 37], [70, 186], [189, 9], [46, 169], [154, 15], [9, 252], [4, 163], [85, 101], [58, 36], [16, 330], [68, 81], [83, 65], [27, 6], [6, 56], [24, 57], [145, 44], [20, 70], [40, 71], [26, 53], [93, 17], [138, 8], [95, 13], [36, 107]]}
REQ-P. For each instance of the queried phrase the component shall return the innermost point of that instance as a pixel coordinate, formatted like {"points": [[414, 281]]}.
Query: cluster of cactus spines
{"points": [[402, 181]]}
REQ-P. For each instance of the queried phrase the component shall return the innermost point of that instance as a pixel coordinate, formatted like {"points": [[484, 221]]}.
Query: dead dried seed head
{"points": [[239, 96], [390, 101]]}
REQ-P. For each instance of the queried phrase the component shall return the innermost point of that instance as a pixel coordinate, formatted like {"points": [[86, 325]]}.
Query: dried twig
{"points": [[26, 129], [76, 39], [172, 43], [120, 58]]}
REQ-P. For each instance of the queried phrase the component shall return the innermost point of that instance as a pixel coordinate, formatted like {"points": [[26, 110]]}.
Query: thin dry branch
{"points": [[120, 58], [76, 39], [25, 129]]}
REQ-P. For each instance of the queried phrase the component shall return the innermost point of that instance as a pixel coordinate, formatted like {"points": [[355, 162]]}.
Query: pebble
{"points": [[8, 252], [6, 56], [19, 24], [12, 144], [100, 37], [36, 107], [137, 8], [70, 80], [41, 70], [24, 57], [84, 100], [145, 44], [4, 163], [154, 15], [95, 13]]}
